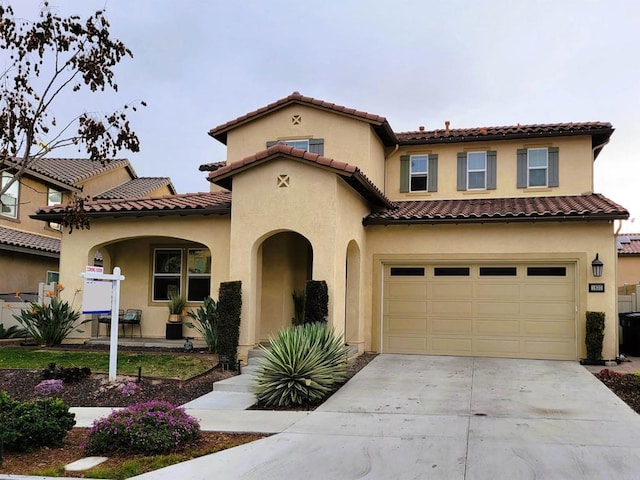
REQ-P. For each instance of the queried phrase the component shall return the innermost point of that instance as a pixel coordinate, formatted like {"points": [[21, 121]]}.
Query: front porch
{"points": [[145, 342]]}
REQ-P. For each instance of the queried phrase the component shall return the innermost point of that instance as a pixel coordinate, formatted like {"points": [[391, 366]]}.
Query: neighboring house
{"points": [[30, 249], [451, 242], [628, 259]]}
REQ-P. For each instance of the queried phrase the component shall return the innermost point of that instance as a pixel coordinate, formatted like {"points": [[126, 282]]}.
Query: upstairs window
{"points": [[54, 197], [9, 199], [312, 145], [477, 170], [419, 173], [538, 167]]}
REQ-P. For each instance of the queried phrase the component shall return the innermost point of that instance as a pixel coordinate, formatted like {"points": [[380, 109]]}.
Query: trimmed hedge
{"points": [[229, 310], [316, 302], [595, 335]]}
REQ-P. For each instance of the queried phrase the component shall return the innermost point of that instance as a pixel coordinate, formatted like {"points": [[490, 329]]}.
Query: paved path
{"points": [[415, 417]]}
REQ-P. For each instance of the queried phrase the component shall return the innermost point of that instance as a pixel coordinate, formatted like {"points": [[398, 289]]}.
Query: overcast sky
{"points": [[200, 63]]}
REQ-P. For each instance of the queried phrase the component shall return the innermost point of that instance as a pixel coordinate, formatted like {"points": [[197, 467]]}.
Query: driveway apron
{"points": [[429, 417]]}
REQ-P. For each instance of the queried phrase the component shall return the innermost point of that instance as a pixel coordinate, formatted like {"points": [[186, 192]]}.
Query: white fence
{"points": [[9, 309], [628, 298]]}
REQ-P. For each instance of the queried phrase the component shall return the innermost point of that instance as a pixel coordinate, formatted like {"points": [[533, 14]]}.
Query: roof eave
{"points": [[501, 219], [57, 217], [29, 250]]}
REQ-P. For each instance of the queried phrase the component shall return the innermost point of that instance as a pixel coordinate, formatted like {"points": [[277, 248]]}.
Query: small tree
{"points": [[594, 335], [41, 62], [229, 309], [316, 302]]}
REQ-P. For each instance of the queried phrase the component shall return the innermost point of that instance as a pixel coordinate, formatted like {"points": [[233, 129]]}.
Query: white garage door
{"points": [[517, 310]]}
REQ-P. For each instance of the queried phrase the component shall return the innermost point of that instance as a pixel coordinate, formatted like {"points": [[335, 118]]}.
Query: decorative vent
{"points": [[296, 119], [283, 181]]}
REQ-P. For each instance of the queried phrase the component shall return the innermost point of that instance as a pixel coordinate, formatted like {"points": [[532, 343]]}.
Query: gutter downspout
{"points": [[385, 166]]}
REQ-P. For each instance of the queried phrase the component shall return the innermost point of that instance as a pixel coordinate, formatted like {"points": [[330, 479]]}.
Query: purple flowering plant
{"points": [[148, 428], [49, 388], [129, 388]]}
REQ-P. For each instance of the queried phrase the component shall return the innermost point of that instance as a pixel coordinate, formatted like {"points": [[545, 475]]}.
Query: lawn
{"points": [[164, 365]]}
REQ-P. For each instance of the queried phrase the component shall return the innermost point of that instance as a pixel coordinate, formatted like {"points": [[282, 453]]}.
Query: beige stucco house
{"points": [[628, 259], [30, 249], [452, 241]]}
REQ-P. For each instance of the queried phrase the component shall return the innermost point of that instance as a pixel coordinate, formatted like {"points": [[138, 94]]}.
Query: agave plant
{"points": [[304, 363]]}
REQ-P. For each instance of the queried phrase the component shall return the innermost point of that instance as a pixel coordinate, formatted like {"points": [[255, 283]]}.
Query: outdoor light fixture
{"points": [[597, 266]]}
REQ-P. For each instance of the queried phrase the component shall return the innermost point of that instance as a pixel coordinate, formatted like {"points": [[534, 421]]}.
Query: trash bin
{"points": [[630, 323]]}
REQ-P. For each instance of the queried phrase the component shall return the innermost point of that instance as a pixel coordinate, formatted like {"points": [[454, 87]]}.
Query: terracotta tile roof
{"points": [[601, 131], [581, 207], [206, 203], [72, 171], [211, 167], [379, 124], [629, 244], [223, 176], [27, 240], [137, 187]]}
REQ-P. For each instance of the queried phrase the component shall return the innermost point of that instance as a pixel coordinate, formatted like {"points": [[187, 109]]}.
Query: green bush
{"points": [[311, 352], [595, 335], [206, 323], [49, 324], [146, 428], [27, 425], [12, 332], [229, 309], [298, 307], [316, 302]]}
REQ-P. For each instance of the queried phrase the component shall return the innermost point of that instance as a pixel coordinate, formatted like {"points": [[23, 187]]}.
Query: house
{"points": [[628, 259], [30, 249], [475, 241]]}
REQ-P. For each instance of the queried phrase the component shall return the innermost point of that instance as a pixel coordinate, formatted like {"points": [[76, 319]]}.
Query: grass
{"points": [[153, 364]]}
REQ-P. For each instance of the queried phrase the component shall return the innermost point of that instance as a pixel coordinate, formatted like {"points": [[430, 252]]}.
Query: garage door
{"points": [[518, 310]]}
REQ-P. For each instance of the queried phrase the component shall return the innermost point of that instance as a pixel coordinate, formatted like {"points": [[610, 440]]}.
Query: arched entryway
{"points": [[352, 295], [285, 263]]}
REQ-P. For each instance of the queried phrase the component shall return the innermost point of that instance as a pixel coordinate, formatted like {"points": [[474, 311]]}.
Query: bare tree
{"points": [[39, 60]]}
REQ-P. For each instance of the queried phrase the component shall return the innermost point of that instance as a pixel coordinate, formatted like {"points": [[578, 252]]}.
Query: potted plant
{"points": [[176, 307]]}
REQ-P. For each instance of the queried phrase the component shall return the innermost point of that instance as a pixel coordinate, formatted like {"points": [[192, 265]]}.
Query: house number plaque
{"points": [[596, 288]]}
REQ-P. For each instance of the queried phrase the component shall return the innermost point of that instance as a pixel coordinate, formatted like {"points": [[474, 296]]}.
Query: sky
{"points": [[199, 63]]}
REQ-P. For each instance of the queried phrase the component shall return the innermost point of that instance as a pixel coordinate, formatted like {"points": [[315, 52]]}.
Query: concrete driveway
{"points": [[424, 417]]}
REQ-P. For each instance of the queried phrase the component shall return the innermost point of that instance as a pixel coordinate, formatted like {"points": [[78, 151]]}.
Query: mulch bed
{"points": [[626, 386]]}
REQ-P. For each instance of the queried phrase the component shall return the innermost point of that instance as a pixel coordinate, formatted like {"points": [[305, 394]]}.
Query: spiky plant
{"points": [[302, 360], [206, 322]]}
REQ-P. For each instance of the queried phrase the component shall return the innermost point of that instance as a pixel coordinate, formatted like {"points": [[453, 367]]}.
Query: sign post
{"points": [[102, 295]]}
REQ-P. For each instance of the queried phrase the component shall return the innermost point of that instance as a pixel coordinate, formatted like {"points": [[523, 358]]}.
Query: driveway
{"points": [[416, 417]]}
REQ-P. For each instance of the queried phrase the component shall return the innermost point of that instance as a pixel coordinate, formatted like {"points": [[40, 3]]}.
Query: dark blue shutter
{"points": [[433, 173], [462, 170], [554, 171], [522, 168], [404, 173], [492, 167]]}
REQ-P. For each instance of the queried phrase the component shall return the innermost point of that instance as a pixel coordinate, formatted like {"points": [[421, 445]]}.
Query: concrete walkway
{"points": [[415, 417]]}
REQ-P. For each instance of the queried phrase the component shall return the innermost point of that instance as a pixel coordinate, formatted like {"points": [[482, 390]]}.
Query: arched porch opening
{"points": [[352, 294], [285, 263]]}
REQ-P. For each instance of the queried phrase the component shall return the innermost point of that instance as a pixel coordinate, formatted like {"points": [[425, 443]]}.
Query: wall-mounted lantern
{"points": [[597, 266]]}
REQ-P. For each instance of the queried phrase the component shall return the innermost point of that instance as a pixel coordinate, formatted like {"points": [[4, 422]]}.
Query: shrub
{"points": [[310, 352], [12, 332], [595, 335], [206, 323], [27, 425], [176, 304], [49, 388], [67, 375], [49, 324], [229, 309], [316, 302], [298, 307], [146, 428]]}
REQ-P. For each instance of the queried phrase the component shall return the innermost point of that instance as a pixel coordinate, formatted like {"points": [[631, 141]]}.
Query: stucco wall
{"points": [[128, 244], [628, 270], [22, 272], [567, 242], [575, 166], [345, 139]]}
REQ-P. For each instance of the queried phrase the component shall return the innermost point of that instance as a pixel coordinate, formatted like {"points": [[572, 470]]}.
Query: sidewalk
{"points": [[632, 366]]}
